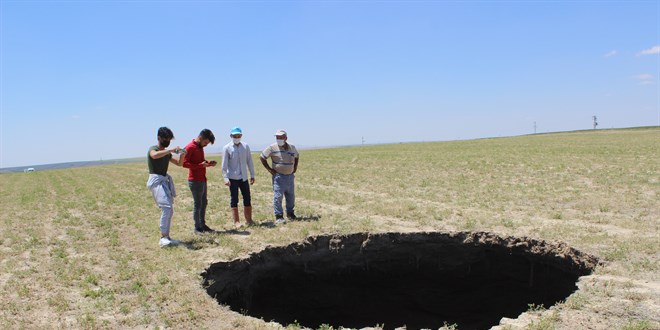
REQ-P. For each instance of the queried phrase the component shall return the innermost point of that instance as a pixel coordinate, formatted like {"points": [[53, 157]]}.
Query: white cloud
{"points": [[645, 79], [611, 53], [644, 76], [650, 51]]}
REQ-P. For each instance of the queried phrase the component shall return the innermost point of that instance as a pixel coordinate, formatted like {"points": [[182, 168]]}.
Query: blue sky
{"points": [[85, 80]]}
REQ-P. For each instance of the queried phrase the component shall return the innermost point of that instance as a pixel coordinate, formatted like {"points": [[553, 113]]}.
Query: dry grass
{"points": [[79, 247]]}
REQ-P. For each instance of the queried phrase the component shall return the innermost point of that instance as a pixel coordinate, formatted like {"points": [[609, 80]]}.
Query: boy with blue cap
{"points": [[236, 162]]}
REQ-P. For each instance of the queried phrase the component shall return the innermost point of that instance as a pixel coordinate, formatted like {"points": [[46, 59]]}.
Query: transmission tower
{"points": [[595, 122]]}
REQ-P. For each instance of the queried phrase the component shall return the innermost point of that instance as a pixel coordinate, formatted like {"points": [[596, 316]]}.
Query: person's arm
{"points": [[265, 163], [156, 154], [295, 165], [177, 162], [225, 166], [187, 160], [250, 163]]}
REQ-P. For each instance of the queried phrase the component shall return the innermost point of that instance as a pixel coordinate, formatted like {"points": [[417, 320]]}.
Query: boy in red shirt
{"points": [[196, 164]]}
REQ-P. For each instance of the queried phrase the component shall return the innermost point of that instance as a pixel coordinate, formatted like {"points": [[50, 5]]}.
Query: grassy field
{"points": [[79, 247]]}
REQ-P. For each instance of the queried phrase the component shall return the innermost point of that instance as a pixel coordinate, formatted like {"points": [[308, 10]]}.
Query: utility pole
{"points": [[534, 127], [595, 122], [363, 141]]}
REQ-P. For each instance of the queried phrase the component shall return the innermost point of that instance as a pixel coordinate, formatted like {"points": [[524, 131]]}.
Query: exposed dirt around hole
{"points": [[420, 280]]}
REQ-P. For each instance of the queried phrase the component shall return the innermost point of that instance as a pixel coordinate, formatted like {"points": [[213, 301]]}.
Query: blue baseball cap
{"points": [[236, 130]]}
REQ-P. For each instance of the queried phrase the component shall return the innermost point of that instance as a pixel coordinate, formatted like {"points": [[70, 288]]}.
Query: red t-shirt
{"points": [[192, 160]]}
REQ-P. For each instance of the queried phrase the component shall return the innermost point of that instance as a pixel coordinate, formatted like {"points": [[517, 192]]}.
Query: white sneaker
{"points": [[280, 221], [166, 241]]}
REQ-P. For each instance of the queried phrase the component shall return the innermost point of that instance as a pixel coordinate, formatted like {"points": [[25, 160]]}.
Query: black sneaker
{"points": [[207, 229], [291, 216], [279, 219]]}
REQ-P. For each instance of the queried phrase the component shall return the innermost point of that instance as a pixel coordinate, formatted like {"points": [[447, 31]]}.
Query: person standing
{"points": [[161, 184], [284, 157], [196, 164], [236, 158]]}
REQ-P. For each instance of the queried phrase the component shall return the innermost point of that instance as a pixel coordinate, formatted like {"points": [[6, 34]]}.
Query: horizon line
{"points": [[85, 163]]}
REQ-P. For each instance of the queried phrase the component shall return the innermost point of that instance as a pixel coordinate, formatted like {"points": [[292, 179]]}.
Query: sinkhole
{"points": [[416, 280]]}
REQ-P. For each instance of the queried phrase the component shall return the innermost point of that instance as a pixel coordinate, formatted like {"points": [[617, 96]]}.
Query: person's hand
{"points": [[213, 163], [272, 171], [251, 180], [228, 183], [175, 150]]}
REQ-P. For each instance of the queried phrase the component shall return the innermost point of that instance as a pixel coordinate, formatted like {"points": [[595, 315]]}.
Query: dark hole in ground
{"points": [[420, 280]]}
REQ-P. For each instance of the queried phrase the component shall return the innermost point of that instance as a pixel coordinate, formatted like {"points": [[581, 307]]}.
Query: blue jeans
{"points": [[198, 190], [283, 186]]}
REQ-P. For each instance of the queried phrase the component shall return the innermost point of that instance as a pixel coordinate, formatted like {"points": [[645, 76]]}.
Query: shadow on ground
{"points": [[308, 218], [211, 238], [272, 224]]}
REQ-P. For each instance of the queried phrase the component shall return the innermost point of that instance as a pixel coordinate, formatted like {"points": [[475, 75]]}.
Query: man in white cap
{"points": [[236, 158], [284, 157]]}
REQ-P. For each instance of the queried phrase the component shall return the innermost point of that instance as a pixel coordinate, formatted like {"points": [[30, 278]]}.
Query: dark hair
{"points": [[165, 133], [207, 134]]}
